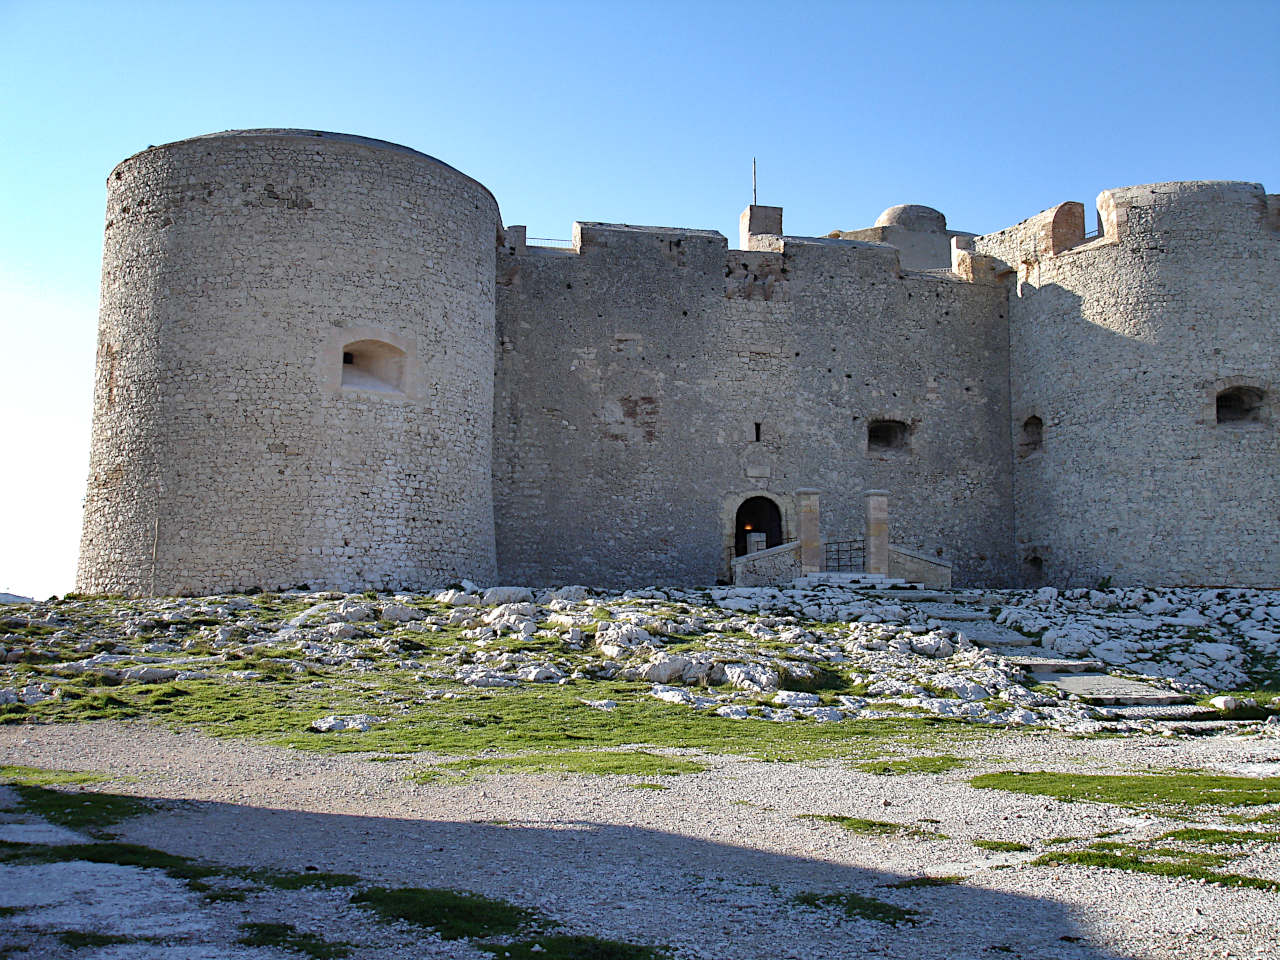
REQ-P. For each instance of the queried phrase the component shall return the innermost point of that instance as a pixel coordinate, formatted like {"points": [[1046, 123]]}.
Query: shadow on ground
{"points": [[704, 898]]}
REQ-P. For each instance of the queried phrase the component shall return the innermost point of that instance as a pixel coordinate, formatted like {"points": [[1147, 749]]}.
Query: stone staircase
{"points": [[1085, 678], [1088, 679], [855, 581]]}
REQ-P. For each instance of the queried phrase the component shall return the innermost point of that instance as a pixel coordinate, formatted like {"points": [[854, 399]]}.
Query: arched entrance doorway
{"points": [[757, 515]]}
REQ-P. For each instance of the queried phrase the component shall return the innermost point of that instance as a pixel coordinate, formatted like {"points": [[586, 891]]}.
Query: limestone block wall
{"points": [[232, 446], [1119, 347], [768, 567], [634, 369]]}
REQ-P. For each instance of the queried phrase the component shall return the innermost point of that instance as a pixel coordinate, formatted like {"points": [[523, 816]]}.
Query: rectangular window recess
{"points": [[758, 432]]}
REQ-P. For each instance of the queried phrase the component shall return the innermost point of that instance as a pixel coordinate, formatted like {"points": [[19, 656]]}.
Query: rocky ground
{"points": [[812, 772]]}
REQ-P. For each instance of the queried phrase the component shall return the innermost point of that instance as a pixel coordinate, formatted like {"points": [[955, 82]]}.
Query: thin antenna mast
{"points": [[753, 181]]}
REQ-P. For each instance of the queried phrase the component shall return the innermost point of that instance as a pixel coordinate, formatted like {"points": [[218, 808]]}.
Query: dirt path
{"points": [[710, 866]]}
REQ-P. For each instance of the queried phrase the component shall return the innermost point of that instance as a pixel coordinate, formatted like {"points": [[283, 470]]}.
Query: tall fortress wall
{"points": [[690, 377], [227, 451], [323, 361], [1121, 345]]}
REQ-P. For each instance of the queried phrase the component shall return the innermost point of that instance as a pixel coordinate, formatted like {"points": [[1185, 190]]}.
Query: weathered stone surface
{"points": [[323, 363]]}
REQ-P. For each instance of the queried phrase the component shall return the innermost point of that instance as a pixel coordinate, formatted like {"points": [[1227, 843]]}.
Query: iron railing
{"points": [[843, 556]]}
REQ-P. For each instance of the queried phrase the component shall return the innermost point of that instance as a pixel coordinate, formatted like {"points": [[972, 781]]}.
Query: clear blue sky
{"points": [[630, 112]]}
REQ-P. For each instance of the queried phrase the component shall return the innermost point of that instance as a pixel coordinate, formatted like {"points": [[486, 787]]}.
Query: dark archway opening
{"points": [[757, 515], [1035, 570]]}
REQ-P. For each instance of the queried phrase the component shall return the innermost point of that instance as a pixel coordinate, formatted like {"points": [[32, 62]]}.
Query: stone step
{"points": [[1036, 659], [1174, 712], [908, 595], [854, 580], [1104, 689], [950, 611], [996, 637]]}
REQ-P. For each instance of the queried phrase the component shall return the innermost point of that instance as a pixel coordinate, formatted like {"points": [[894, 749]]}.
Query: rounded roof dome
{"points": [[913, 216]]}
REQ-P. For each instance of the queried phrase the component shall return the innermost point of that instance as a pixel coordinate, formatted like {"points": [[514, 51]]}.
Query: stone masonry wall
{"points": [[1120, 346], [237, 270], [297, 384], [632, 372]]}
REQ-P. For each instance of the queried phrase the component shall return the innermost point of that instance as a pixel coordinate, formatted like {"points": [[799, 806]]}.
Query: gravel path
{"points": [[708, 866]]}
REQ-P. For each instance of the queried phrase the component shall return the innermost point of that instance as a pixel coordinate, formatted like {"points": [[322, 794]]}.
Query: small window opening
{"points": [[373, 365], [887, 435], [1240, 405], [1032, 436], [758, 432]]}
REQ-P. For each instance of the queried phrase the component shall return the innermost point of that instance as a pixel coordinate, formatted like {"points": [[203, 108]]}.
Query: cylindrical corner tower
{"points": [[1145, 366], [295, 369]]}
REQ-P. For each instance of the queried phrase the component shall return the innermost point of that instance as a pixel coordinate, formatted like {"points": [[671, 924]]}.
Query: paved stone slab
{"points": [[1043, 660], [997, 637], [1166, 711], [950, 611], [1105, 689]]}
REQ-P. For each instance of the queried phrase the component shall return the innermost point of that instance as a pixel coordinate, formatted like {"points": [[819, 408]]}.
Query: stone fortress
{"points": [[323, 360]]}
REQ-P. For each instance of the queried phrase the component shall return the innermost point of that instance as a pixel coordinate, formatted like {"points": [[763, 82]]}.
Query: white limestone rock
{"points": [[932, 644], [962, 687], [500, 595], [148, 674], [352, 611], [540, 673], [889, 687], [625, 635], [400, 612], [752, 676], [664, 669], [360, 722], [793, 698], [821, 714]]}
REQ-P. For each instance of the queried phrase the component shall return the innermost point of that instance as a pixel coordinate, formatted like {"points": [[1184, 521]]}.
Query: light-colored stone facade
{"points": [[227, 453], [324, 361]]}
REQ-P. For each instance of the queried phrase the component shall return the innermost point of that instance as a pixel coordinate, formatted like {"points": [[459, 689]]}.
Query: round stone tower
{"points": [[295, 369], [1145, 372]]}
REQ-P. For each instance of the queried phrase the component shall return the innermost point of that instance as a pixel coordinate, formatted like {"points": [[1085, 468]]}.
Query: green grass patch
{"points": [[914, 882], [282, 880], [632, 763], [860, 907], [1213, 837], [43, 777], [1139, 790], [286, 936], [574, 948], [83, 939], [1267, 816], [1001, 846], [648, 786], [78, 811], [874, 827], [1160, 861], [451, 914], [527, 718], [938, 764]]}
